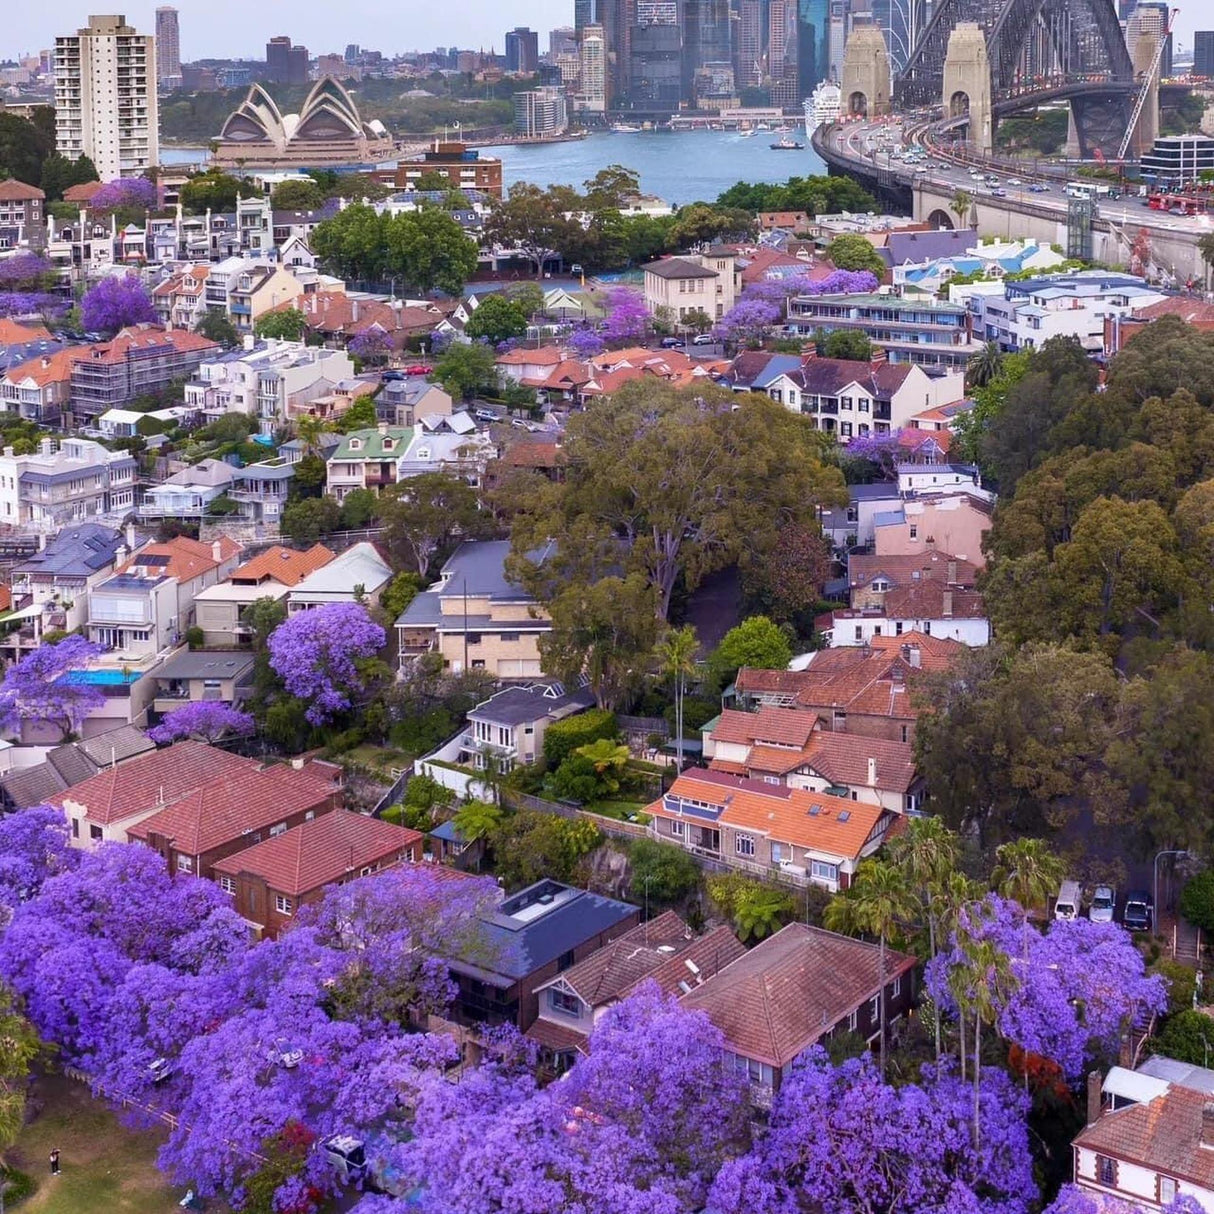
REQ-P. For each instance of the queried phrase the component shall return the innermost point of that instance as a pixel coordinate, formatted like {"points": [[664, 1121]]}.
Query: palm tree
{"points": [[927, 854], [477, 819], [960, 206], [759, 912], [877, 902], [1028, 872], [309, 429], [677, 654], [984, 366]]}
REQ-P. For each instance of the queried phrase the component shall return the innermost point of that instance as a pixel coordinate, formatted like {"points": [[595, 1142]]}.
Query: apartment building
{"points": [[180, 300], [64, 482], [245, 288], [105, 98], [40, 389], [261, 491], [138, 360], [267, 380], [708, 282], [22, 215]]}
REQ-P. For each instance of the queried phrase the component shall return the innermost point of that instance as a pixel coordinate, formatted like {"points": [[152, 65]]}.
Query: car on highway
{"points": [[1038, 188], [999, 193], [1013, 181]]}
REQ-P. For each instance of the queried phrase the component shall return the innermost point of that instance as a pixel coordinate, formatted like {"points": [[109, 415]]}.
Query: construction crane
{"points": [[1145, 91]]}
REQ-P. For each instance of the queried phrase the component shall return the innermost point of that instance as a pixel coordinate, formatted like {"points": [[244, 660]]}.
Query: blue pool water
{"points": [[103, 678]]}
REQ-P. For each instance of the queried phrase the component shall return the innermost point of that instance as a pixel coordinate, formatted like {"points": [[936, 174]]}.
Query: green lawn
{"points": [[379, 758], [105, 1167], [620, 810]]}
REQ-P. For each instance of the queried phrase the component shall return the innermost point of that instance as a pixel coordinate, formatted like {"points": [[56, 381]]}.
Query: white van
{"points": [[1067, 905]]}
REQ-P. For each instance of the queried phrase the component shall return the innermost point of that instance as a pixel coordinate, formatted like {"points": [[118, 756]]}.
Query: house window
{"points": [[1106, 1171], [474, 638], [845, 402], [227, 884], [1167, 1190], [862, 404], [897, 987], [185, 864], [853, 1018], [565, 1003], [279, 828], [820, 870], [744, 845], [282, 904], [367, 870], [565, 960], [874, 1008], [906, 733], [853, 514], [859, 632], [914, 532], [898, 628], [75, 828], [310, 815], [95, 833], [676, 829], [845, 429], [780, 851]]}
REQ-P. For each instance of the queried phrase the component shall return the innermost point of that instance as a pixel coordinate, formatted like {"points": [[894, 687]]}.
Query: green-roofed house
{"points": [[367, 459]]}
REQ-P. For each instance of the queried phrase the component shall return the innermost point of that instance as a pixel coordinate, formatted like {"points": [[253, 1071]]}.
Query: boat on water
{"points": [[823, 106], [786, 145], [749, 133], [623, 128]]}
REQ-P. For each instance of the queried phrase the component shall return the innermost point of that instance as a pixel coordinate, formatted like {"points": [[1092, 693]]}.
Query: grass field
{"points": [[105, 1167]]}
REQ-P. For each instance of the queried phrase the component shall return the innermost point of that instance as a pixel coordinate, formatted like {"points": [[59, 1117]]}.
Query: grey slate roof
{"points": [[679, 267], [518, 705], [524, 933], [72, 763], [207, 664], [77, 551], [926, 246], [479, 563], [125, 742]]}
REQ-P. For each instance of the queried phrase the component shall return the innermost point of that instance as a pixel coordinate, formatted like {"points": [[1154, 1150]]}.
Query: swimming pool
{"points": [[102, 678]]}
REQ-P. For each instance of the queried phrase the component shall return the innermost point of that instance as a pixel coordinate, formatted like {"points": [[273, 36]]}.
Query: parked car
{"points": [[486, 415], [673, 343], [419, 369], [1104, 901], [348, 1157], [391, 375], [1139, 913], [1066, 905], [285, 1054], [160, 1069], [703, 339]]}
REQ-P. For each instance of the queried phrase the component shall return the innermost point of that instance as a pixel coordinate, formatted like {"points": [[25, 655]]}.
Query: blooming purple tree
{"points": [[320, 656], [747, 321], [43, 688], [1073, 1200], [585, 343], [34, 845], [372, 344], [25, 272], [31, 303], [843, 1142], [115, 303], [839, 282], [883, 451], [1075, 988], [627, 317], [206, 719], [135, 192]]}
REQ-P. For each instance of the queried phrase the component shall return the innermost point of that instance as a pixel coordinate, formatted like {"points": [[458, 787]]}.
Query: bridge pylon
{"points": [[865, 78], [1142, 52], [967, 84]]}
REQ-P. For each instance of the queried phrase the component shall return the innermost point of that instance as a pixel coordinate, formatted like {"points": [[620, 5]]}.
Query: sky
{"points": [[232, 29]]}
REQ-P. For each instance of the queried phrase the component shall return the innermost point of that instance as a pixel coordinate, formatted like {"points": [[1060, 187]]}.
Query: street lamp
{"points": [[1155, 870]]}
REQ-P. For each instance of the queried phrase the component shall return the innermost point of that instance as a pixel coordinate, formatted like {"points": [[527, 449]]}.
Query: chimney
{"points": [[952, 573], [382, 427], [1207, 1124], [120, 554], [354, 311], [879, 356], [216, 551], [1095, 1100], [947, 609], [8, 451], [872, 773], [130, 537]]}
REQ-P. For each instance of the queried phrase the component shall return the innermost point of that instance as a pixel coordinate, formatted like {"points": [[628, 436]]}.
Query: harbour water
{"points": [[678, 166]]}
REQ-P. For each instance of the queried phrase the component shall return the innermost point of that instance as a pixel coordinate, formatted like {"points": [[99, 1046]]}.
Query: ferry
{"points": [[623, 128], [786, 145], [823, 107]]}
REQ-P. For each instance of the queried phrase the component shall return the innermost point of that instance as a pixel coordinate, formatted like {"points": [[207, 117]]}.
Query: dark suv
{"points": [[1139, 913]]}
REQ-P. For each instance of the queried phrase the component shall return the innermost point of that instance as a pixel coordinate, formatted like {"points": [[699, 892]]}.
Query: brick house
{"points": [[271, 880], [221, 817], [22, 215], [796, 989], [803, 837]]}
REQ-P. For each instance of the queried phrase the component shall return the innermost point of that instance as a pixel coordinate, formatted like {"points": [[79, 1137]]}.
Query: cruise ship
{"points": [[823, 107]]}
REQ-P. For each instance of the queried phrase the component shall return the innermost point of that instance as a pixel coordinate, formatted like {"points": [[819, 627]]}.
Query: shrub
{"points": [[195, 637], [1197, 900], [562, 738], [1187, 1037], [666, 872], [1182, 983]]}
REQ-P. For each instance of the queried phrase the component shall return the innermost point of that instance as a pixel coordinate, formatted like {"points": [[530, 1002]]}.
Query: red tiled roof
{"points": [[283, 565], [909, 570], [557, 1037], [83, 192], [148, 337], [47, 368], [159, 777], [934, 601], [221, 810], [545, 356], [711, 953], [14, 334], [17, 191], [182, 558], [533, 455], [791, 989], [322, 851], [783, 726], [843, 759]]}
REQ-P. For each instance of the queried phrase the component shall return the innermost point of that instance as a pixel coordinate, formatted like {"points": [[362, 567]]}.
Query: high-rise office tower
{"points": [[522, 51], [168, 48], [655, 60], [562, 41], [592, 78], [1203, 53], [353, 50], [286, 64], [813, 44], [105, 98], [782, 65], [585, 12], [751, 50], [1151, 17], [707, 38]]}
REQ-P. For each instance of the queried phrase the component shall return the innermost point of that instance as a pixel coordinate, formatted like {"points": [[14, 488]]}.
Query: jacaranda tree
{"points": [[115, 303], [35, 844], [205, 719], [41, 687]]}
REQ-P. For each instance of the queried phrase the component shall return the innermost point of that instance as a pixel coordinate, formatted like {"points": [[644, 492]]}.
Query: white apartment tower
{"points": [[168, 48], [105, 98], [592, 78]]}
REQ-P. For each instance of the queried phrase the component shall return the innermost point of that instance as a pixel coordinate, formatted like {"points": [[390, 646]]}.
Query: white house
{"points": [[359, 568], [188, 493]]}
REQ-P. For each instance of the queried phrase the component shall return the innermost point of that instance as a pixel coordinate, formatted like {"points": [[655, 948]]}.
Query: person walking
{"points": [[55, 1162]]}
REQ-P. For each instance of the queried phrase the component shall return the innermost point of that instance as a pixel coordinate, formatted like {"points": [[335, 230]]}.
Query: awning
{"points": [[1132, 1085], [26, 613]]}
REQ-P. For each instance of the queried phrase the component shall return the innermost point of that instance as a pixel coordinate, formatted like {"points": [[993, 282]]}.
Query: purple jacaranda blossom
{"points": [[115, 303], [41, 689], [1073, 1200], [35, 844], [136, 192], [206, 719], [317, 654], [585, 343], [627, 316], [843, 1142], [1076, 988], [25, 272], [372, 344], [747, 320], [37, 304]]}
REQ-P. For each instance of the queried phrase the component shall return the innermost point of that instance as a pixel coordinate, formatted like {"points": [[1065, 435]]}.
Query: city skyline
{"points": [[230, 29]]}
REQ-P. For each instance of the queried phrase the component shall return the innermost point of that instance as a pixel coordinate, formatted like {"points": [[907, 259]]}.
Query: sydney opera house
{"points": [[326, 131]]}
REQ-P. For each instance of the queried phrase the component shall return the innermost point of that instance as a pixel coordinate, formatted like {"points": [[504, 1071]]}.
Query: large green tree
{"points": [[496, 319], [214, 190], [756, 642], [849, 252], [465, 370], [675, 483], [534, 221], [427, 249], [424, 515]]}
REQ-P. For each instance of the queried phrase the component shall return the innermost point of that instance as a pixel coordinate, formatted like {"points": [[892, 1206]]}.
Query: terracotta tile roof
{"points": [[17, 191], [843, 759], [545, 454], [791, 989], [47, 369], [710, 954], [221, 810], [1191, 311], [557, 1037], [283, 565], [545, 356], [1163, 1134], [335, 845], [160, 777], [336, 312], [934, 601], [14, 334], [83, 192], [728, 766], [774, 761], [783, 726], [147, 337], [833, 826], [182, 558], [188, 282], [935, 653], [908, 570]]}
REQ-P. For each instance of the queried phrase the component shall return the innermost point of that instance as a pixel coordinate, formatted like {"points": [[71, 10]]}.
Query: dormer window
{"points": [[880, 584], [356, 444]]}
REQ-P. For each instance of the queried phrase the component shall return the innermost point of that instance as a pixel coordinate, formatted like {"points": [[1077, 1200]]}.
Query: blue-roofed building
{"points": [[991, 259], [529, 938]]}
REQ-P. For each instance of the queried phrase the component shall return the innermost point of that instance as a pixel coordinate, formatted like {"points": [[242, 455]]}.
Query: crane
{"points": [[1145, 91]]}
